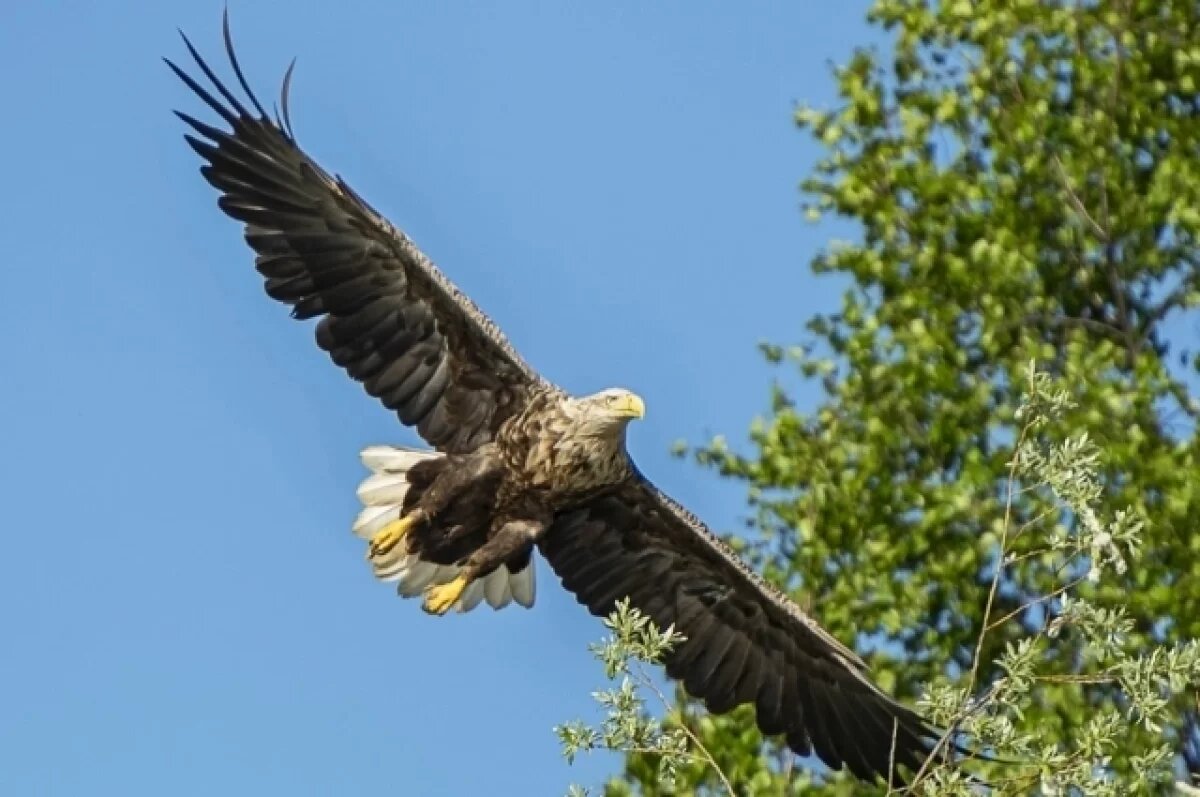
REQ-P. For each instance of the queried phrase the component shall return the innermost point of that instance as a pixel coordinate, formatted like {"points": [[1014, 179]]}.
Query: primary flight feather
{"points": [[517, 463]]}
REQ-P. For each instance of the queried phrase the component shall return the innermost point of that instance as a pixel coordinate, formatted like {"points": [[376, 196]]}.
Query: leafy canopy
{"points": [[1025, 176]]}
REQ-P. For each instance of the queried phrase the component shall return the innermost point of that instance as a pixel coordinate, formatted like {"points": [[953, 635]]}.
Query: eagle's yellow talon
{"points": [[390, 535], [439, 599]]}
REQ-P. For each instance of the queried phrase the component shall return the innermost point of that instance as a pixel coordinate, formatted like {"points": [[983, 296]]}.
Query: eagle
{"points": [[516, 463]]}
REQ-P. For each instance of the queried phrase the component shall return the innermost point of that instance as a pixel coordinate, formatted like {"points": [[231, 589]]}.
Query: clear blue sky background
{"points": [[183, 608]]}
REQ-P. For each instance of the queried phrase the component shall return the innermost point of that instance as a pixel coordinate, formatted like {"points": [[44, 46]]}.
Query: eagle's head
{"points": [[606, 414]]}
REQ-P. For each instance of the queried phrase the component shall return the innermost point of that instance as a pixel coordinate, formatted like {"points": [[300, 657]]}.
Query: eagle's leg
{"points": [[394, 533], [457, 475], [513, 537]]}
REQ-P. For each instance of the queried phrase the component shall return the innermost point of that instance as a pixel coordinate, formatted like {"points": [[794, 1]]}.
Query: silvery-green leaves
{"points": [[1077, 539], [627, 726]]}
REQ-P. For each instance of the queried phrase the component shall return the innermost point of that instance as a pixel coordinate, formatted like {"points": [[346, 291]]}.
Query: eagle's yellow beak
{"points": [[629, 405]]}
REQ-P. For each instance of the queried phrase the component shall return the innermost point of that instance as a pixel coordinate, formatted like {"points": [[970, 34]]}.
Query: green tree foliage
{"points": [[1026, 177], [1066, 477]]}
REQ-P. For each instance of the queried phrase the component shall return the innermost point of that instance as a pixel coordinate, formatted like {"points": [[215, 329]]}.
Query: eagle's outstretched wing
{"points": [[388, 316], [746, 643]]}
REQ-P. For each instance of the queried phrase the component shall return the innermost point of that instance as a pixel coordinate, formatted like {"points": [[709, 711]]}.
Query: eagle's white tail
{"points": [[382, 494]]}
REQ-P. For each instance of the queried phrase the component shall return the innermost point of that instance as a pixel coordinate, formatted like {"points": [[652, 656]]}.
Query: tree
{"points": [[1026, 177]]}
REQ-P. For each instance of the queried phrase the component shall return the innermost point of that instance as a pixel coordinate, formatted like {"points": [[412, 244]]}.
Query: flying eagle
{"points": [[517, 463]]}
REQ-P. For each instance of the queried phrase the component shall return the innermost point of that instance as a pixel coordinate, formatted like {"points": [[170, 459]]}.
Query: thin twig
{"points": [[1171, 301], [1132, 347], [1069, 678], [1038, 518], [640, 674], [892, 759], [1092, 324], [1018, 558], [1063, 178], [1076, 202], [1188, 404], [1048, 596], [987, 610]]}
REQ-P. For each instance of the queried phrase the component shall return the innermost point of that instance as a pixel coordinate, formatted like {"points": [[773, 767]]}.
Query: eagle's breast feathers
{"points": [[547, 449]]}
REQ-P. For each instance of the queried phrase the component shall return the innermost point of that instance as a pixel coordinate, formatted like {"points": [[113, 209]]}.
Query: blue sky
{"points": [[184, 609]]}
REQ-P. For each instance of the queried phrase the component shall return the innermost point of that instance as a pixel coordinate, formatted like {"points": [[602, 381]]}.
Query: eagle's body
{"points": [[477, 515], [517, 464]]}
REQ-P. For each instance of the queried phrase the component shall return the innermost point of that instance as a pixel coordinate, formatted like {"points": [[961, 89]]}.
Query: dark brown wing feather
{"points": [[388, 316], [746, 643]]}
